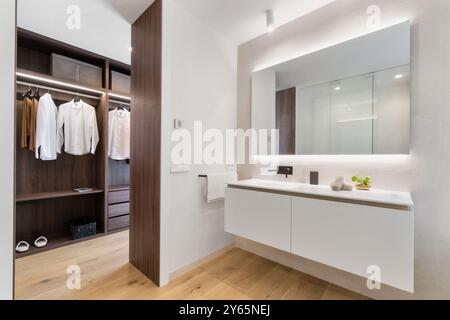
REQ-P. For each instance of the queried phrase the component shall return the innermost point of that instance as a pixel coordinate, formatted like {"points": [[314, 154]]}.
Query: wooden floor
{"points": [[106, 274]]}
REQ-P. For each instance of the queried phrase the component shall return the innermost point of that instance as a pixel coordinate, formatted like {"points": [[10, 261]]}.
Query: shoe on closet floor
{"points": [[22, 247], [41, 242]]}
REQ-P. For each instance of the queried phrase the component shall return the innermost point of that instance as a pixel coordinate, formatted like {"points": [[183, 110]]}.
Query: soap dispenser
{"points": [[314, 178]]}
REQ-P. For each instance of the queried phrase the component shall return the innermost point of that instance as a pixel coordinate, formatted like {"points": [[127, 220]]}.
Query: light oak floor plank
{"points": [[107, 275]]}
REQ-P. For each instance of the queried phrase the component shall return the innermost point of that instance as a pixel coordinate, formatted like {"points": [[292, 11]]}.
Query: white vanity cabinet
{"points": [[258, 216], [355, 238], [357, 232]]}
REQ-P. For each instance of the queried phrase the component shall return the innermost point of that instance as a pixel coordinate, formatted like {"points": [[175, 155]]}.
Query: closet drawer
{"points": [[119, 210], [118, 223], [118, 196]]}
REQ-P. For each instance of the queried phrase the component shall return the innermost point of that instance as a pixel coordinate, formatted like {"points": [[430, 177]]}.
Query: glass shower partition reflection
{"points": [[313, 120], [336, 117], [367, 114], [351, 116]]}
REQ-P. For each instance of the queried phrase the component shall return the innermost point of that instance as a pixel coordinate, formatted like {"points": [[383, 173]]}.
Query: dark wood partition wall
{"points": [[146, 142], [102, 155], [286, 120]]}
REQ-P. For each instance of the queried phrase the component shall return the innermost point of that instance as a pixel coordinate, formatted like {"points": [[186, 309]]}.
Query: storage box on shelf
{"points": [[75, 70], [120, 82]]}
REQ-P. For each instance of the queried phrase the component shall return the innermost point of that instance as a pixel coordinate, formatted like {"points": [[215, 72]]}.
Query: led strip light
{"points": [[28, 84], [59, 83], [118, 96], [119, 102]]}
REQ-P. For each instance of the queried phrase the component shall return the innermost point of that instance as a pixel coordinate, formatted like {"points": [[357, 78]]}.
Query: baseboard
{"points": [[176, 274]]}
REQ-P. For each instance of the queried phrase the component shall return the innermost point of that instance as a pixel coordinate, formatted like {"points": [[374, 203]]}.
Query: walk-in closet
{"points": [[87, 145], [73, 195]]}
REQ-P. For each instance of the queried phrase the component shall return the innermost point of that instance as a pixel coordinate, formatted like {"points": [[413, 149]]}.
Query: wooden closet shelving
{"points": [[45, 198], [55, 195]]}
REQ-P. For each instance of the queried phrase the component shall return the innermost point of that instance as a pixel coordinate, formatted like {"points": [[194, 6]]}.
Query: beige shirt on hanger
{"points": [[119, 134], [77, 128], [29, 115]]}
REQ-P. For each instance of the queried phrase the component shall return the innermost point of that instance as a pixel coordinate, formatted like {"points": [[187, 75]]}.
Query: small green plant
{"points": [[363, 181]]}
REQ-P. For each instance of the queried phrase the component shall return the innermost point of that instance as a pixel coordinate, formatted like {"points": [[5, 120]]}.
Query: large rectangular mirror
{"points": [[350, 99]]}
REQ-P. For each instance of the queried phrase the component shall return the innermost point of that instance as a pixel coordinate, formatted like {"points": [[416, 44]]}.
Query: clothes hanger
{"points": [[28, 94], [77, 99], [36, 94]]}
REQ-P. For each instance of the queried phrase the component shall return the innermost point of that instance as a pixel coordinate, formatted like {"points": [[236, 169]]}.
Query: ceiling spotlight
{"points": [[130, 49], [338, 88], [398, 76], [270, 21]]}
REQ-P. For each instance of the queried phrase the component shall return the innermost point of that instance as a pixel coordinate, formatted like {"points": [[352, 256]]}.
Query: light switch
{"points": [[177, 124]]}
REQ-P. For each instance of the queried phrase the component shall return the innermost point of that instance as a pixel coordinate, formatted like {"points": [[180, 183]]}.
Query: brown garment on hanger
{"points": [[29, 117]]}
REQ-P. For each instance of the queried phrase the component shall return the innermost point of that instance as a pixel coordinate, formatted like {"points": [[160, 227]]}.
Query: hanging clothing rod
{"points": [[119, 102], [57, 90], [118, 96]]}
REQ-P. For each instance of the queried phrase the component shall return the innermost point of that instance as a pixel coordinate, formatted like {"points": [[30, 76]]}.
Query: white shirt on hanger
{"points": [[119, 139], [46, 129], [77, 128]]}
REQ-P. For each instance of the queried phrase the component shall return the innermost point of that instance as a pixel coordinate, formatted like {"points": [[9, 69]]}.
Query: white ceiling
{"points": [[238, 20], [243, 20], [130, 10]]}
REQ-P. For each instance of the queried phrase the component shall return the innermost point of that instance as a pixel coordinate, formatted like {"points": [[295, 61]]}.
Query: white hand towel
{"points": [[217, 184]]}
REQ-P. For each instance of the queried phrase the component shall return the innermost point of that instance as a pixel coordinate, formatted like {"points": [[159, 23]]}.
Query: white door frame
{"points": [[8, 22]]}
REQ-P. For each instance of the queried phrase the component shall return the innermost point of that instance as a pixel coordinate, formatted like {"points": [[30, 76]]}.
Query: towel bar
{"points": [[205, 175]]}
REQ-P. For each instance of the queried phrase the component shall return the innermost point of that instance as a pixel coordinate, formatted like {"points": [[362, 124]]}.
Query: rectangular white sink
{"points": [[267, 184], [374, 196]]}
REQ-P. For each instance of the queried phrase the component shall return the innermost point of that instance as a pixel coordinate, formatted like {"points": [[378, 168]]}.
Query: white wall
{"points": [[7, 90], [425, 172], [199, 83], [103, 30]]}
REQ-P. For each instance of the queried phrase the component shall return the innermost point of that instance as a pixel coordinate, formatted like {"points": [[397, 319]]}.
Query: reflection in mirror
{"points": [[367, 114], [350, 99]]}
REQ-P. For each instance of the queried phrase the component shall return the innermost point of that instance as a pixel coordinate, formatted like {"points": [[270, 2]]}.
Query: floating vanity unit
{"points": [[350, 231]]}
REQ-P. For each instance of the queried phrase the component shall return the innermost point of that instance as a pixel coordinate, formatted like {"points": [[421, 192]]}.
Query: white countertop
{"points": [[373, 196]]}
